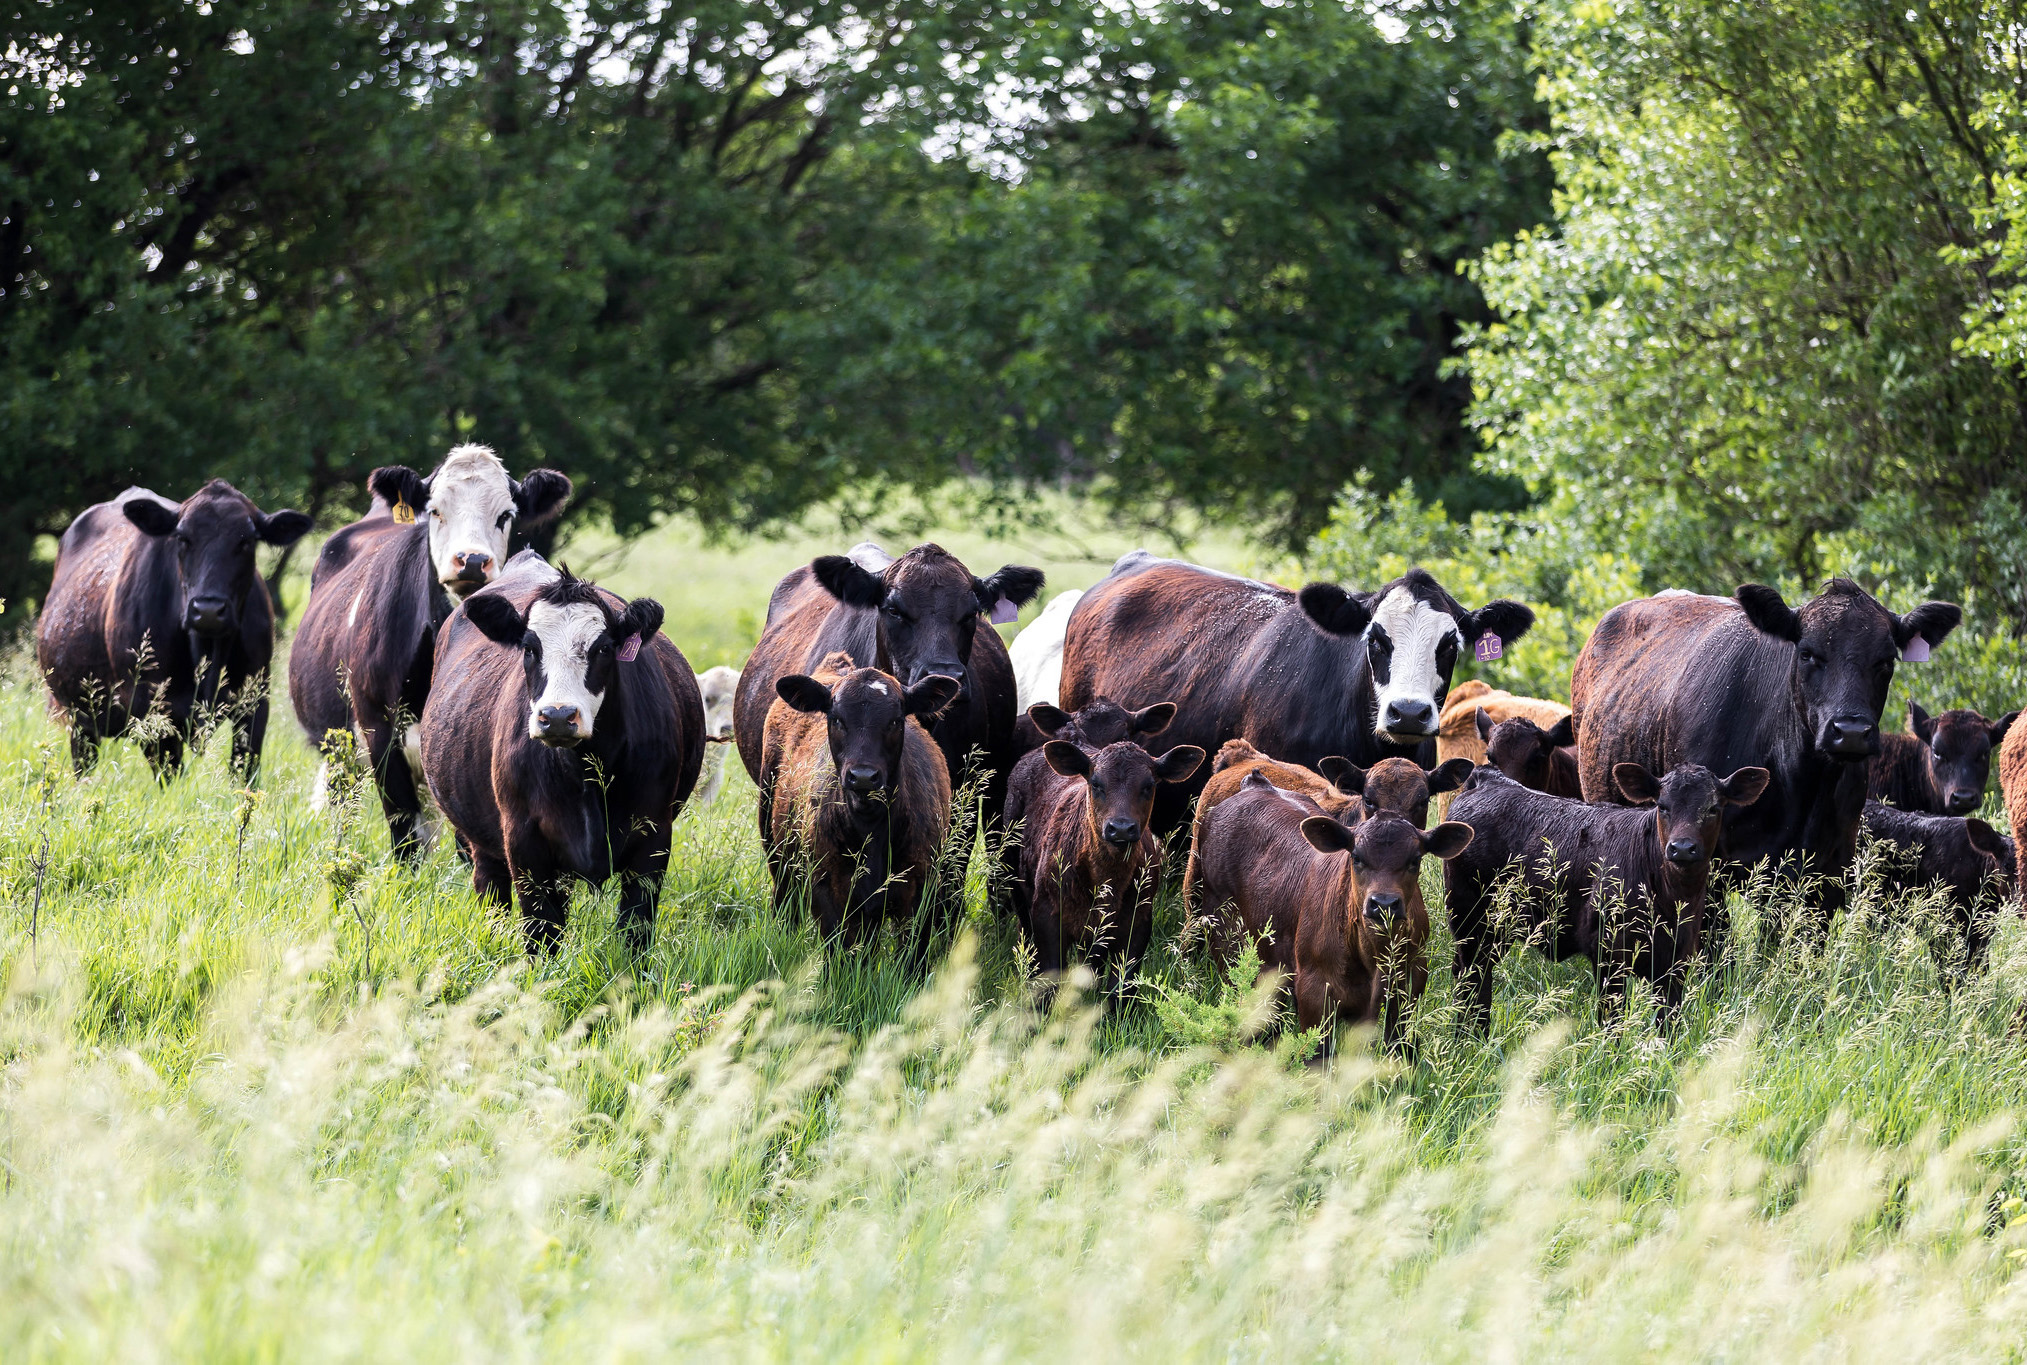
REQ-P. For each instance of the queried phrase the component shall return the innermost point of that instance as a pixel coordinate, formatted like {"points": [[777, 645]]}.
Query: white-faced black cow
{"points": [[157, 607], [381, 588], [562, 735], [1303, 677]]}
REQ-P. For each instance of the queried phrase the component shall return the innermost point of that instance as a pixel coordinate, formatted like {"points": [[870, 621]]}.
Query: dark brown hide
{"points": [[1941, 765], [1972, 861]]}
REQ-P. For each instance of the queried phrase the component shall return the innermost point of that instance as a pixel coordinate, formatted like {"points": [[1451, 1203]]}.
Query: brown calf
{"points": [[1458, 735], [1940, 766], [1540, 760]]}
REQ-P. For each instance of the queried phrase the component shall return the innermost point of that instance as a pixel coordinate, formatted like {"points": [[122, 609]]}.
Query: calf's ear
{"points": [[1017, 583], [1447, 840], [1482, 719], [1178, 763], [1986, 840], [848, 581], [497, 618], [392, 483], [152, 517], [1048, 719], [1768, 613], [1920, 723], [282, 528], [1932, 621], [1562, 734], [1151, 720], [1343, 774], [1743, 787], [1325, 835], [1506, 618], [1449, 775], [642, 617], [804, 693], [931, 695], [1066, 758], [1334, 610], [1636, 784], [2000, 726], [540, 496]]}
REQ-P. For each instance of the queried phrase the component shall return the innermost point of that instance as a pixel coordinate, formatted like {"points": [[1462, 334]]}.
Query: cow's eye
{"points": [[1359, 862], [500, 523]]}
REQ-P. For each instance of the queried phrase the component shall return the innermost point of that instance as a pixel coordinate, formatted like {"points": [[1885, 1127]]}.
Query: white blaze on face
{"points": [[471, 510], [1407, 699], [567, 635]]}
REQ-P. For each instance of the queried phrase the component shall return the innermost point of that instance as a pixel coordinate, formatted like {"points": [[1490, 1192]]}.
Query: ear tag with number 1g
{"points": [[1004, 611], [404, 515], [629, 648], [1489, 647], [1915, 651]]}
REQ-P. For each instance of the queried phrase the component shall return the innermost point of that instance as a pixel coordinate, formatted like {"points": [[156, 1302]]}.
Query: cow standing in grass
{"points": [[1940, 766], [382, 588], [562, 736], [157, 609]]}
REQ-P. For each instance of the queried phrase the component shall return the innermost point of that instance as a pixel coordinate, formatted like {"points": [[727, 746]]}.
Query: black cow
{"points": [[157, 607], [1725, 683], [382, 586], [1303, 677], [1973, 862], [1941, 764], [562, 736], [914, 617]]}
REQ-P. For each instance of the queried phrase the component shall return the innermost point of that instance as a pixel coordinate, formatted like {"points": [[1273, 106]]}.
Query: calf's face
{"points": [[470, 505], [572, 646], [1959, 753], [214, 534], [1689, 805], [867, 713], [1396, 784], [928, 606], [1386, 867], [719, 686], [1119, 782], [1521, 749], [1846, 645], [1101, 722]]}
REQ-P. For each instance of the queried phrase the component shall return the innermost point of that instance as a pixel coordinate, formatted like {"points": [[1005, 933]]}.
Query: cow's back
{"points": [[796, 612]]}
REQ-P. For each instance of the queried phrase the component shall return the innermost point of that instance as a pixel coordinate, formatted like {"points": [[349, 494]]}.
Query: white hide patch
{"points": [[1416, 629], [879, 687], [468, 493], [567, 635], [1037, 653], [720, 687]]}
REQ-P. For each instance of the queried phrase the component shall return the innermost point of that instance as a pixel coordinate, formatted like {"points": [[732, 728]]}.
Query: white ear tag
{"points": [[629, 649], [1916, 651], [1489, 647], [1004, 611]]}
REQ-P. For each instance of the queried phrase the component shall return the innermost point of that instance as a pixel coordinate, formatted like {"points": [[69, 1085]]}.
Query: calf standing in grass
{"points": [[1577, 862], [860, 796], [1540, 760], [563, 734], [1089, 862], [1338, 907], [1967, 857], [1940, 765]]}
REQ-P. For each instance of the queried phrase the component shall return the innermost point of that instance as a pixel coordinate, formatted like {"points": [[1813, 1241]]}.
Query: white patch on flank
{"points": [[1037, 653], [1416, 629], [567, 635], [467, 494], [879, 687]]}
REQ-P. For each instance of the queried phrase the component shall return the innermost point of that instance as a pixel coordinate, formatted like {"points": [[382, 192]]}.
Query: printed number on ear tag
{"points": [[1916, 651], [404, 514], [1489, 647], [629, 649], [1004, 611]]}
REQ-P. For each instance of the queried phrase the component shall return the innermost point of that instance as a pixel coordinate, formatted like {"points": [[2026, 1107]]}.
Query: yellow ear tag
{"points": [[404, 514]]}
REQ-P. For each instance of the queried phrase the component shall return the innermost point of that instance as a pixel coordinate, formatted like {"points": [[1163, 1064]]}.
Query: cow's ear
{"points": [[152, 517], [1343, 774], [1482, 719], [1016, 583], [282, 528], [848, 581], [1986, 840], [1562, 734], [1447, 840], [931, 695], [1920, 723], [1150, 720], [804, 693], [397, 483], [1999, 727], [1178, 763], [540, 496], [497, 619], [1932, 621], [643, 617], [1743, 787], [1066, 758], [1048, 719], [1636, 784], [1449, 775], [1325, 835], [1334, 610], [1765, 609], [1506, 618]]}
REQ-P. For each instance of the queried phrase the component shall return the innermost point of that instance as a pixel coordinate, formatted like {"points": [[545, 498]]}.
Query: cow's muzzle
{"points": [[1384, 909], [208, 616], [557, 726], [1851, 738]]}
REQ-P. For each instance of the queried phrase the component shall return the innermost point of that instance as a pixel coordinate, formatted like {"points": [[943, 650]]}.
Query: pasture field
{"points": [[264, 1095]]}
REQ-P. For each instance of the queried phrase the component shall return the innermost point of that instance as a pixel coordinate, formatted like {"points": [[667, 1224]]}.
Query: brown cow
{"points": [[1940, 766], [1540, 760], [858, 794], [1348, 930]]}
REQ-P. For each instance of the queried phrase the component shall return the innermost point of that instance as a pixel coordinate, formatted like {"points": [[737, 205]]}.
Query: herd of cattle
{"points": [[1303, 737]]}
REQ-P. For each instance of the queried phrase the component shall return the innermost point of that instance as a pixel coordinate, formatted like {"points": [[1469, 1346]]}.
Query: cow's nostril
{"points": [[1382, 907], [862, 778], [1410, 715], [557, 718], [1122, 831], [1684, 851]]}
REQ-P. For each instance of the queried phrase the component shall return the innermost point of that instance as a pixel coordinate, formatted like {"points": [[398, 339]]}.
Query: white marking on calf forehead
{"points": [[467, 494], [879, 687], [1416, 630], [567, 635]]}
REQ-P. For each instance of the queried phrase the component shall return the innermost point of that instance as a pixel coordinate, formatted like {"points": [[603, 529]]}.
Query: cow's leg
{"points": [[164, 753], [1475, 958], [491, 878], [84, 744], [640, 889], [249, 737], [545, 899], [400, 802]]}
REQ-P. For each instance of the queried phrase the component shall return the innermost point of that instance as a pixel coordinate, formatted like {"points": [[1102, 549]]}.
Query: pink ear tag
{"points": [[629, 649], [1004, 611], [1489, 647], [1916, 651]]}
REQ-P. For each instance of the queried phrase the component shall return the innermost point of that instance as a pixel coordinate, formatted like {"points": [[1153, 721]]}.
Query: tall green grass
{"points": [[250, 1109]]}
